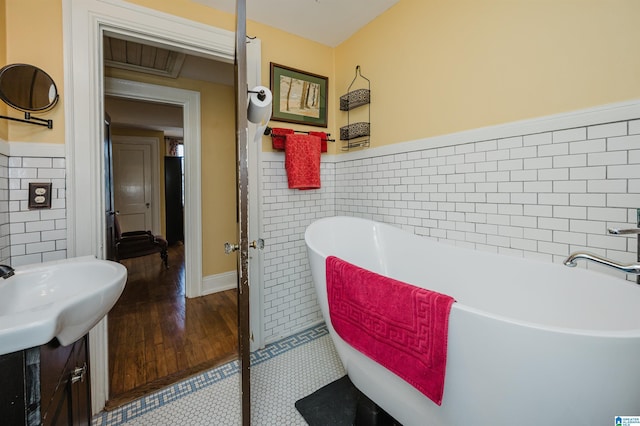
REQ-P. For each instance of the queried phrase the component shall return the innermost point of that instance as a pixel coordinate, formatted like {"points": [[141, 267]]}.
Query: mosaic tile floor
{"points": [[281, 373]]}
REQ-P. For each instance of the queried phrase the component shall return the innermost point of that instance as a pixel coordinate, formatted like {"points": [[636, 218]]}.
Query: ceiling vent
{"points": [[134, 56]]}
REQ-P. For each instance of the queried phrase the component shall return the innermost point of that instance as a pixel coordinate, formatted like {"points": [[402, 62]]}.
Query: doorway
{"points": [[189, 103], [157, 335], [85, 22]]}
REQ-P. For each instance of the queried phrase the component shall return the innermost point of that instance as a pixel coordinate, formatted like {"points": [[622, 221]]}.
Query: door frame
{"points": [[154, 146], [84, 23], [189, 100], [256, 257]]}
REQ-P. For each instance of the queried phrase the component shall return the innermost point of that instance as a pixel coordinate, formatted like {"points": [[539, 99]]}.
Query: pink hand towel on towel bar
{"points": [[400, 326], [323, 140], [278, 136], [302, 161]]}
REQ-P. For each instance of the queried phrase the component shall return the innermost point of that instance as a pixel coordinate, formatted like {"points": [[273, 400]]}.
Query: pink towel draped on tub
{"points": [[400, 326], [302, 161]]}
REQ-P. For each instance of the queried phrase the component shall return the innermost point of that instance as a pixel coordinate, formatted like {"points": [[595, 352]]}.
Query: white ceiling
{"points": [[329, 22]]}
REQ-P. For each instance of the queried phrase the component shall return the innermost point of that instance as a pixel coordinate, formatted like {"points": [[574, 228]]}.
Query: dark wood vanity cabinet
{"points": [[64, 384], [12, 391], [46, 386]]}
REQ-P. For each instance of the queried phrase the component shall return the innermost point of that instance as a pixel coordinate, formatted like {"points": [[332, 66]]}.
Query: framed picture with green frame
{"points": [[298, 96]]}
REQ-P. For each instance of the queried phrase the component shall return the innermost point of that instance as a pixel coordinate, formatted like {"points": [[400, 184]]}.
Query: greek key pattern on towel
{"points": [[400, 326]]}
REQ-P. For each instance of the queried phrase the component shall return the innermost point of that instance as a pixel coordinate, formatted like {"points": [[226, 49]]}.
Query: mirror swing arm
{"points": [[31, 120]]}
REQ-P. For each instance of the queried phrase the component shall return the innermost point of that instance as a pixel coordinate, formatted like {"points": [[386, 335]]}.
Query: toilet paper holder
{"points": [[259, 106], [262, 95]]}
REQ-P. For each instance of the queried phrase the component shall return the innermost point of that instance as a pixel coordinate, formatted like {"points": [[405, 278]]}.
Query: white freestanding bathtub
{"points": [[530, 343]]}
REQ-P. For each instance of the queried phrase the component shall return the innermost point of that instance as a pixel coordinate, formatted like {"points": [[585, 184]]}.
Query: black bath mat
{"points": [[340, 404], [333, 404]]}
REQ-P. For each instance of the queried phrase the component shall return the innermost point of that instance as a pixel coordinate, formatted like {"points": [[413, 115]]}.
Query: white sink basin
{"points": [[62, 299]]}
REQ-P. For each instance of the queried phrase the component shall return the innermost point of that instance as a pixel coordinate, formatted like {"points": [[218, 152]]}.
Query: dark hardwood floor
{"points": [[158, 337]]}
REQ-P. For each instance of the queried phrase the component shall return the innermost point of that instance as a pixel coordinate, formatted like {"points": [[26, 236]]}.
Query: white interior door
{"points": [[132, 186]]}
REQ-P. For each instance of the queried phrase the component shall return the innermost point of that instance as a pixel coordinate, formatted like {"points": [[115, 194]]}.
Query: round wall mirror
{"points": [[27, 88]]}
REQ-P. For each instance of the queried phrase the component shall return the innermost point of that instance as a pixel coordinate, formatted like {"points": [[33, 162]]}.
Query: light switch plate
{"points": [[39, 195]]}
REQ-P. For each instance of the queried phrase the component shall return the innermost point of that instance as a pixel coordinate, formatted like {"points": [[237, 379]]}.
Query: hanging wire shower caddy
{"points": [[356, 135]]}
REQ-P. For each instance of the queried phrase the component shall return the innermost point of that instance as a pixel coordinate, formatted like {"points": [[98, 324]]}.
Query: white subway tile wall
{"points": [[538, 195], [290, 303], [5, 244], [36, 235]]}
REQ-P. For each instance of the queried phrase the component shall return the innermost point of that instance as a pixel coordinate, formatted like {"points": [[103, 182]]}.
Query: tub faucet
{"points": [[631, 231], [627, 269], [6, 271], [616, 231]]}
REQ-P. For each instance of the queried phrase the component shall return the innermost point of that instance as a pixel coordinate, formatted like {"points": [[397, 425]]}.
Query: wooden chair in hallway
{"points": [[139, 243]]}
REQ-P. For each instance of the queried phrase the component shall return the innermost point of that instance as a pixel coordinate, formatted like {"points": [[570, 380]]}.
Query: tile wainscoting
{"points": [[38, 235], [540, 195], [539, 188], [289, 297], [5, 243]]}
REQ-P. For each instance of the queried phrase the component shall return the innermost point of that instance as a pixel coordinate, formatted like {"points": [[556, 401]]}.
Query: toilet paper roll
{"points": [[259, 110]]}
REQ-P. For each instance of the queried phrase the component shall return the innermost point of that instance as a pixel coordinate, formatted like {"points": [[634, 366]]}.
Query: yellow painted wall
{"points": [[4, 129], [218, 154], [292, 51], [441, 66], [191, 10], [127, 131], [437, 66], [34, 36]]}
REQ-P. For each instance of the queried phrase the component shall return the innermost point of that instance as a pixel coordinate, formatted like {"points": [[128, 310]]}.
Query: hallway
{"points": [[158, 337]]}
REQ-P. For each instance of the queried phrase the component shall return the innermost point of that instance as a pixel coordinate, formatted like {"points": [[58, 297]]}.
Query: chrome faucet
{"points": [[616, 231], [627, 269], [636, 231], [6, 271]]}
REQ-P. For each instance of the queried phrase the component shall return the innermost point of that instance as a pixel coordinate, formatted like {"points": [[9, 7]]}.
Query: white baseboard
{"points": [[219, 282]]}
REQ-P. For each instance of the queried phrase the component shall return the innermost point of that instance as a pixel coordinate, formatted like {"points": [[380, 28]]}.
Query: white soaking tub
{"points": [[530, 343]]}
